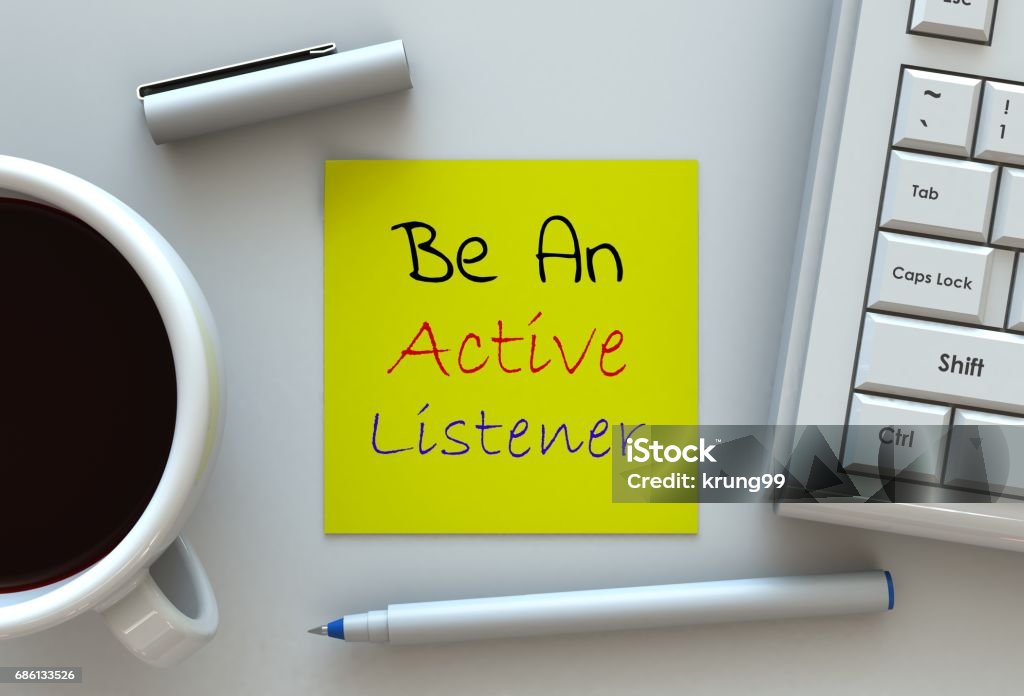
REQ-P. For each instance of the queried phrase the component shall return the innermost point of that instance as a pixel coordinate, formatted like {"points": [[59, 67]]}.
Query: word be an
{"points": [[473, 250]]}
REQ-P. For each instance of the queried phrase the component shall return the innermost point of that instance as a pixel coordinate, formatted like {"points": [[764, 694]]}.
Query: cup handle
{"points": [[171, 612]]}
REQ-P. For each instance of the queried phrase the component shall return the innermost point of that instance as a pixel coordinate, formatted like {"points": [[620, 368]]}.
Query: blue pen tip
{"points": [[336, 629]]}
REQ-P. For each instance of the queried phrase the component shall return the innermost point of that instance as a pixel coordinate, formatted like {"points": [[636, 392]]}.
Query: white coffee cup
{"points": [[151, 588]]}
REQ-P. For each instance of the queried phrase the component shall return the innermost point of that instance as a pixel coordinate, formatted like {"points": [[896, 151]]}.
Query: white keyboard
{"points": [[906, 325]]}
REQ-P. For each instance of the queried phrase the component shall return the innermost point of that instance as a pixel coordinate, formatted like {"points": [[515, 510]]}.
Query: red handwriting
{"points": [[474, 352]]}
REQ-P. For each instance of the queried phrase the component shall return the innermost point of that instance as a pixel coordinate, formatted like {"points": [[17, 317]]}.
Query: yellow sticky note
{"points": [[489, 326]]}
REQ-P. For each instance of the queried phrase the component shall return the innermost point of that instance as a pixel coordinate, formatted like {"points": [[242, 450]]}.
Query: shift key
{"points": [[944, 363]]}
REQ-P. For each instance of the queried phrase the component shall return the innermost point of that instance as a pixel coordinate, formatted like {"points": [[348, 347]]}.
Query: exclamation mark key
{"points": [[1001, 128]]}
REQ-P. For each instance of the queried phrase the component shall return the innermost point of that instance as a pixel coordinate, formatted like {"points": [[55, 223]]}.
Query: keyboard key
{"points": [[938, 195], [895, 438], [1001, 128], [937, 112], [941, 362], [1015, 317], [1008, 225], [970, 20], [942, 280], [986, 453]]}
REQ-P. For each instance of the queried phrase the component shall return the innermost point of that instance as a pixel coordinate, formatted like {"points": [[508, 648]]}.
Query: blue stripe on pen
{"points": [[892, 590], [336, 628]]}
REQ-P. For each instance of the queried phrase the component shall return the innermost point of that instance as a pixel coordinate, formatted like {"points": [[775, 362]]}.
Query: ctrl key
{"points": [[893, 438]]}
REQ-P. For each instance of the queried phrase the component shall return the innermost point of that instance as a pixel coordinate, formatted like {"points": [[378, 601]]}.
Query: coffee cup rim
{"points": [[195, 352]]}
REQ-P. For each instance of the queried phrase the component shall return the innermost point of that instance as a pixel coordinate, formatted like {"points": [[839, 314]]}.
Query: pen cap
{"points": [[207, 102]]}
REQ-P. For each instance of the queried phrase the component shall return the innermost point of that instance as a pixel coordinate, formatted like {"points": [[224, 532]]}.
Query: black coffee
{"points": [[87, 392]]}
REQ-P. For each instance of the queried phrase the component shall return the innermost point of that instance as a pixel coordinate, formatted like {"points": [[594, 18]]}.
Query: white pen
{"points": [[586, 611], [271, 87]]}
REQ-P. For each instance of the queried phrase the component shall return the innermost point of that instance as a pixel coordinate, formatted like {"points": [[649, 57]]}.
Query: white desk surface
{"points": [[732, 84]]}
